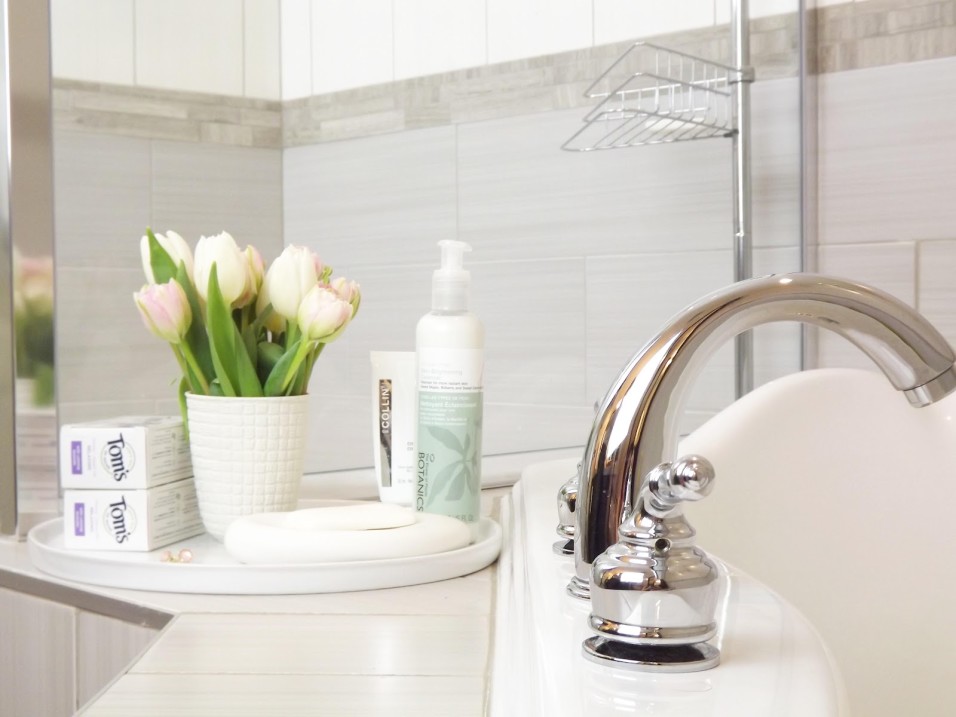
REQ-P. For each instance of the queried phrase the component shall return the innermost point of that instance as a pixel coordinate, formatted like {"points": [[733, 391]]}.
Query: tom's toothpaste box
{"points": [[130, 519], [122, 453]]}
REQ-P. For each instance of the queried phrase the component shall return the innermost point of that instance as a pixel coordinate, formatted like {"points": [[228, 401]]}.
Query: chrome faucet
{"points": [[653, 593]]}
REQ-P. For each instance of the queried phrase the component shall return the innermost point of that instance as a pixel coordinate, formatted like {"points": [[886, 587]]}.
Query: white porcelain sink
{"points": [[773, 663], [833, 492]]}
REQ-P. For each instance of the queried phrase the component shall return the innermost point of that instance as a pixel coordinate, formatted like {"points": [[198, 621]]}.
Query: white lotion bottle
{"points": [[449, 343]]}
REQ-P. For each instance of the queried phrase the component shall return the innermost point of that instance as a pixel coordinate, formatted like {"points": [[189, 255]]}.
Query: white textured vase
{"points": [[247, 455]]}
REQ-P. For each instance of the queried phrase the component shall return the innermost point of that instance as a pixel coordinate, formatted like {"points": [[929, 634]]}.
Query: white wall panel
{"points": [[185, 45], [352, 44], [437, 36], [261, 53], [92, 40], [296, 48], [528, 28], [616, 20]]}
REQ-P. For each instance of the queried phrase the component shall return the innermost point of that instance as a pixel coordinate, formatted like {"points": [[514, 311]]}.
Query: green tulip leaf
{"points": [[196, 336], [250, 344], [267, 357], [162, 264], [284, 370], [183, 388], [247, 379], [222, 336]]}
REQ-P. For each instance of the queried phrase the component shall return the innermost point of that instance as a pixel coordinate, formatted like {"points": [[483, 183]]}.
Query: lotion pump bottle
{"points": [[449, 342]]}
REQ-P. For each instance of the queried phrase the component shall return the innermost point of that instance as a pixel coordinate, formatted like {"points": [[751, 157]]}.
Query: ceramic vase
{"points": [[247, 455]]}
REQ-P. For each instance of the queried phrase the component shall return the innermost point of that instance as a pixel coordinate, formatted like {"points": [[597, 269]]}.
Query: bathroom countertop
{"points": [[420, 650]]}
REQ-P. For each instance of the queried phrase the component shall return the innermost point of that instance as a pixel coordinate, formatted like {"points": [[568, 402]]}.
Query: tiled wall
{"points": [[578, 258]]}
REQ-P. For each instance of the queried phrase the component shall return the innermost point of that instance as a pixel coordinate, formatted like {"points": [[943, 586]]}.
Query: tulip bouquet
{"points": [[235, 328]]}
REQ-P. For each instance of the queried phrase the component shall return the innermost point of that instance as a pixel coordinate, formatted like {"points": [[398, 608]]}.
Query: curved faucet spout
{"points": [[635, 429]]}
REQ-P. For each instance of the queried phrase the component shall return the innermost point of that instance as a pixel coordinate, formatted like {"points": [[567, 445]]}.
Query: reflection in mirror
{"points": [[29, 487]]}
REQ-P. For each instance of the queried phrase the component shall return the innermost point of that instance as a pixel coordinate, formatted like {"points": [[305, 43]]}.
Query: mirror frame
{"points": [[26, 202]]}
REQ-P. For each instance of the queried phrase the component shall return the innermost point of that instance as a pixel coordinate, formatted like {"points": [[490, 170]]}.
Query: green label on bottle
{"points": [[449, 453]]}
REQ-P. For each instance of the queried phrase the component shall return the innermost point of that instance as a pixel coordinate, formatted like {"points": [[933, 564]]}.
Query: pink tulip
{"points": [[323, 315], [165, 310], [349, 291]]}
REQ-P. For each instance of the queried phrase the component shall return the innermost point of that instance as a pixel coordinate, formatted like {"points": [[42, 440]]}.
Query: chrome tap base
{"points": [[580, 589], [651, 658], [563, 547]]}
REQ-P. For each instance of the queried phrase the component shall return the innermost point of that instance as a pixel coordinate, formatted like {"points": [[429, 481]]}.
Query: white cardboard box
{"points": [[127, 452], [131, 519]]}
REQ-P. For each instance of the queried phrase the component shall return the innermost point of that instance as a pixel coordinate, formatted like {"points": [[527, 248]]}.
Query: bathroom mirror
{"points": [[28, 421], [296, 123]]}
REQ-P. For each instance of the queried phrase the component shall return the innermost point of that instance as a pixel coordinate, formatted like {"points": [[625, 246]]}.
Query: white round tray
{"points": [[214, 571]]}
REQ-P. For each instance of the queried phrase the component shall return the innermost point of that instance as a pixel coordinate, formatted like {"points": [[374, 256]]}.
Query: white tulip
{"points": [[231, 267], [292, 275], [175, 246]]}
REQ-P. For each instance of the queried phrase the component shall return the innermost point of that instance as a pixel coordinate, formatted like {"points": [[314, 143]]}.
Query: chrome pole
{"points": [[743, 241], [8, 463]]}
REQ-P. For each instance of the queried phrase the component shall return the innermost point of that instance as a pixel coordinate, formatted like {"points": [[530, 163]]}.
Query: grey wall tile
{"points": [[936, 292], [516, 428], [204, 189], [521, 197], [534, 317], [92, 410], [104, 353], [384, 199], [775, 162], [883, 141], [101, 199]]}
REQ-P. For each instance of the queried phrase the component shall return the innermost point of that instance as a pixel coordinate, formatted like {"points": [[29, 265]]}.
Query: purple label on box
{"points": [[76, 457], [79, 519]]}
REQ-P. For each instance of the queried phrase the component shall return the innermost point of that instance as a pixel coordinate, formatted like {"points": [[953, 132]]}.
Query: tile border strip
{"points": [[852, 35]]}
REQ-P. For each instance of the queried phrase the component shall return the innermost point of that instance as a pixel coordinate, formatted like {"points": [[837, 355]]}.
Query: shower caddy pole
{"points": [[652, 94], [743, 242]]}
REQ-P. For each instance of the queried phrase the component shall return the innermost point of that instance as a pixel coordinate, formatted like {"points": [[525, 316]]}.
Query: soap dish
{"points": [[213, 571]]}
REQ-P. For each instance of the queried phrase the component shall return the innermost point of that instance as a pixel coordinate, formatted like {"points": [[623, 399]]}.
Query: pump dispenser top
{"points": [[451, 283]]}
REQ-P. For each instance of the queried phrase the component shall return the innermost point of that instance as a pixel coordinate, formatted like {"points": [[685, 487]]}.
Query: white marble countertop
{"points": [[419, 650]]}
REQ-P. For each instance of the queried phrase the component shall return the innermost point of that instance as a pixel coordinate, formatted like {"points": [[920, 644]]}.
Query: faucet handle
{"points": [[654, 593], [689, 478], [567, 505]]}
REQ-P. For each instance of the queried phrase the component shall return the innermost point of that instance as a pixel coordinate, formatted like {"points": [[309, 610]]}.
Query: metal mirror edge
{"points": [[28, 423], [8, 467]]}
